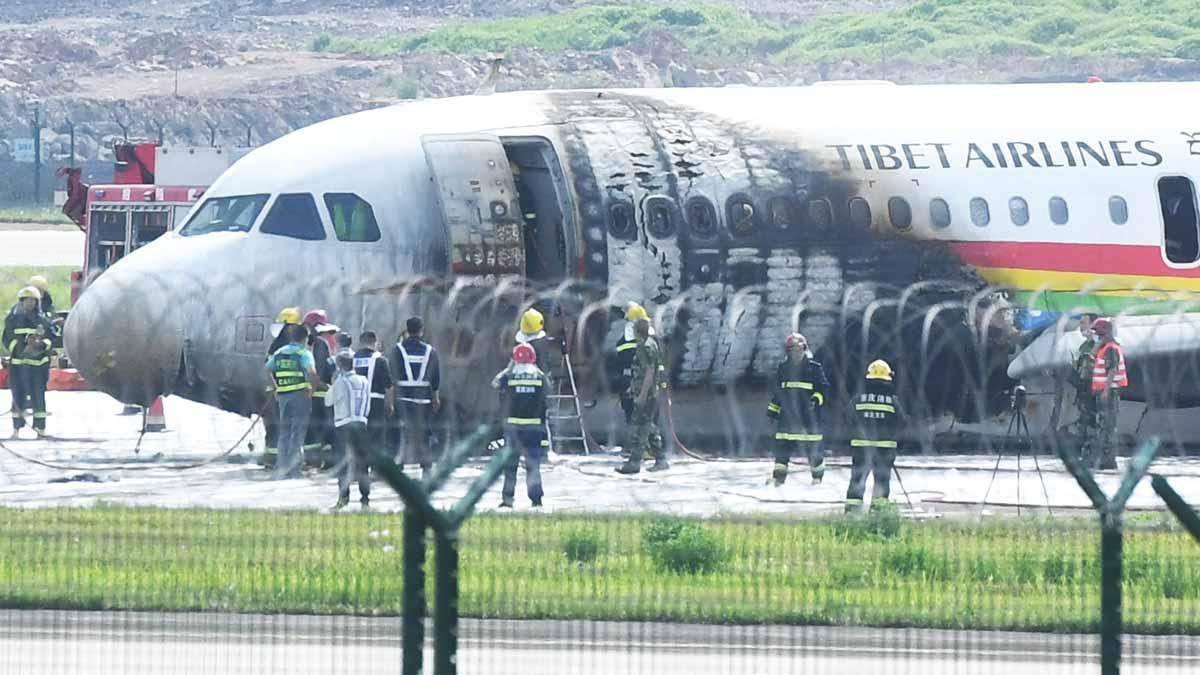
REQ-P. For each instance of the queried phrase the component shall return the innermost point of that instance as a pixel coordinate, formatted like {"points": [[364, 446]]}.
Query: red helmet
{"points": [[795, 341], [1102, 327], [315, 318], [523, 353]]}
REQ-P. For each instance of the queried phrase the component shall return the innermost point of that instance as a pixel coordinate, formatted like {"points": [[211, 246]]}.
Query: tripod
{"points": [[1018, 427]]}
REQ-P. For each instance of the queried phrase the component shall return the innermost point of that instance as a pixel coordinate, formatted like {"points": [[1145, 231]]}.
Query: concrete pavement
{"points": [[132, 643]]}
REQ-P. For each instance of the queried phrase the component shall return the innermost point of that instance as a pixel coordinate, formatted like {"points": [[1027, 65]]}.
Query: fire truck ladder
{"points": [[564, 414]]}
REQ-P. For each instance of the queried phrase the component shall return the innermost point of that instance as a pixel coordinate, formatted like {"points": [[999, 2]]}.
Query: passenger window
{"points": [[1058, 211], [1181, 231], [980, 214], [620, 221], [1018, 211], [353, 218], [939, 213], [782, 213], [1118, 210], [660, 217], [860, 213], [900, 213], [820, 213], [741, 216], [294, 216], [701, 217]]}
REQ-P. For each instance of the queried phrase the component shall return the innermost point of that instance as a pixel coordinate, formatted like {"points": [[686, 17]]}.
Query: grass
{"points": [[13, 279], [41, 215], [1004, 574], [926, 31]]}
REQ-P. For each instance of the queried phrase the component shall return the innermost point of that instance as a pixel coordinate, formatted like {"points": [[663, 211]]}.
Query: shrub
{"points": [[321, 42], [984, 570], [1051, 28], [684, 548], [582, 546], [1058, 569], [882, 522]]}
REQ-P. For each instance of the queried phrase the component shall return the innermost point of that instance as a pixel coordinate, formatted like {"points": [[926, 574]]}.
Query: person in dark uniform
{"points": [[1085, 401], [372, 365], [27, 338], [417, 376], [797, 399], [525, 388], [1108, 379], [533, 333], [873, 444], [320, 425]]}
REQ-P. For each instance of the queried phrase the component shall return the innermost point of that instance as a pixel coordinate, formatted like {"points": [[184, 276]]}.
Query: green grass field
{"points": [[13, 279], [1031, 575], [930, 30], [41, 215]]}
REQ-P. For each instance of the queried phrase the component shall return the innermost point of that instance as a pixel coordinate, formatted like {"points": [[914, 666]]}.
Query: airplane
{"points": [[952, 229]]}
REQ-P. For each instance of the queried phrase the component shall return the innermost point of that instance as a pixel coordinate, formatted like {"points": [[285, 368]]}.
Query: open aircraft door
{"points": [[478, 199]]}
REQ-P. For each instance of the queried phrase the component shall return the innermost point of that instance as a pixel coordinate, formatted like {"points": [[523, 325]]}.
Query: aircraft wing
{"points": [[1143, 338]]}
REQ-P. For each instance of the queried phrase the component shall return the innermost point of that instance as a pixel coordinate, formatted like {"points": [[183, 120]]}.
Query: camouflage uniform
{"points": [[645, 437], [1105, 453], [1085, 400]]}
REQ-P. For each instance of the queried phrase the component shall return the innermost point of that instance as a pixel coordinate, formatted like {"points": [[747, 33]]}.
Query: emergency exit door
{"points": [[478, 199]]}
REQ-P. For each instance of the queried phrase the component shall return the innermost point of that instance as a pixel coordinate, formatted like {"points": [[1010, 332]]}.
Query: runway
{"points": [[96, 443], [133, 643], [38, 248]]}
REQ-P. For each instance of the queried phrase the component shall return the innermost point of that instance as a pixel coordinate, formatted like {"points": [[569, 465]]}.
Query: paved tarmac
{"points": [[36, 248], [199, 462], [135, 643]]}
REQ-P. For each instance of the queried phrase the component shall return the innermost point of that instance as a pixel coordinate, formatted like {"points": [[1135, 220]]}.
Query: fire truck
{"points": [[154, 186]]}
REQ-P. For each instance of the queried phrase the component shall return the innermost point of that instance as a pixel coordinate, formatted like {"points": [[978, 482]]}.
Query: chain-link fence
{"points": [[127, 551]]}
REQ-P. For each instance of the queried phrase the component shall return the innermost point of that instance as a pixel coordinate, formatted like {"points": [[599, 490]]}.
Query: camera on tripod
{"points": [[1017, 403]]}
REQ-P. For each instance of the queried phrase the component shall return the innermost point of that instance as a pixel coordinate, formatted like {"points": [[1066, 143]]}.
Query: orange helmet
{"points": [[523, 353], [1102, 327]]}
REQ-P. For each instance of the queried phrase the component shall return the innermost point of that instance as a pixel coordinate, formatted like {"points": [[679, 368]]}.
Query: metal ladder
{"points": [[564, 414]]}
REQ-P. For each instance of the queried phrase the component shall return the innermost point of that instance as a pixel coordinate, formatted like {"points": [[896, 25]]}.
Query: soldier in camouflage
{"points": [[648, 381], [1085, 400]]}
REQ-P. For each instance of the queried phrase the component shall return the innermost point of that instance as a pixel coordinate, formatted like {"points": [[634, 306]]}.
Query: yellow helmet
{"points": [[532, 321], [29, 292], [289, 315], [634, 311], [879, 370], [39, 282]]}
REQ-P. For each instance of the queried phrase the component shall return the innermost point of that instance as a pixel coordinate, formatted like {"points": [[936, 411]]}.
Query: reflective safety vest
{"points": [[414, 387], [1100, 370], [365, 366], [526, 400], [289, 375]]}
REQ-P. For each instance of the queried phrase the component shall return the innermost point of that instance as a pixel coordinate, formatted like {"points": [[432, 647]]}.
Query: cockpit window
{"points": [[294, 216], [353, 218], [225, 214]]}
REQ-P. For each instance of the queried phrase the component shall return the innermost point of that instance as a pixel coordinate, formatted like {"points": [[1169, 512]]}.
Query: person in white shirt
{"points": [[350, 398]]}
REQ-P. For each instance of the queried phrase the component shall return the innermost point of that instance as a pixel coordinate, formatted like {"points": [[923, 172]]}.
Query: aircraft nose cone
{"points": [[124, 336]]}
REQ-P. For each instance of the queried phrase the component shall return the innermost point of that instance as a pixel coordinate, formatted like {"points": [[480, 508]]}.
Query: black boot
{"points": [[634, 463]]}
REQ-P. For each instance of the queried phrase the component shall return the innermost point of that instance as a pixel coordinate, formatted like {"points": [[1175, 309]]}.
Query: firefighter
{"points": [[525, 388], [1108, 379], [46, 305], [288, 316], [646, 382], [796, 404], [320, 428], [1085, 401], [294, 372], [417, 374], [26, 336], [621, 365], [372, 365], [533, 333], [873, 444]]}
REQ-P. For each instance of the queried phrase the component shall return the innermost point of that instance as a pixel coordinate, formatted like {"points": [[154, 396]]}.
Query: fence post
{"points": [[36, 126], [413, 609], [445, 621], [1111, 544]]}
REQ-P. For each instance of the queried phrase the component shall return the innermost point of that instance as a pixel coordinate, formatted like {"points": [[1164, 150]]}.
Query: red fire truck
{"points": [[153, 188]]}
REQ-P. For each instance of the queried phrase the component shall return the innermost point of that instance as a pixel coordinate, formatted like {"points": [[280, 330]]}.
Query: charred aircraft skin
{"points": [[732, 234]]}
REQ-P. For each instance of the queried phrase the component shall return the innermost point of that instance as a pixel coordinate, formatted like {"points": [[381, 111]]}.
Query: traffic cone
{"points": [[155, 419]]}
